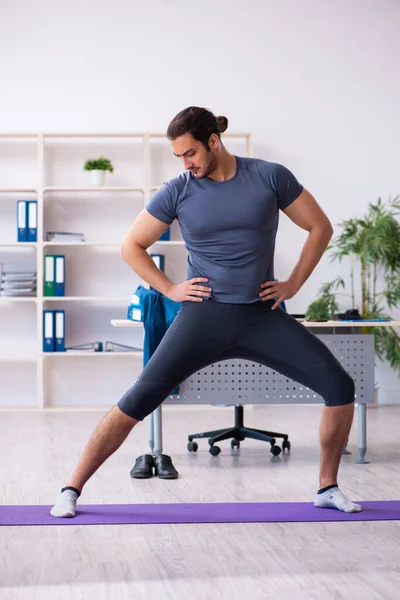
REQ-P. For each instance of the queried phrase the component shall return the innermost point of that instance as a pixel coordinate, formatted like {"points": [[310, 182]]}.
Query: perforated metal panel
{"points": [[243, 382]]}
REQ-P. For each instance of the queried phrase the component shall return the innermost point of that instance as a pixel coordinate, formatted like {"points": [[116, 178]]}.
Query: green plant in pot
{"points": [[326, 304], [97, 169], [372, 244]]}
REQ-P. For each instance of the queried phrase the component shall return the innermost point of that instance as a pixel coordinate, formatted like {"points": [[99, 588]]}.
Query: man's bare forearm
{"points": [[142, 263], [313, 249]]}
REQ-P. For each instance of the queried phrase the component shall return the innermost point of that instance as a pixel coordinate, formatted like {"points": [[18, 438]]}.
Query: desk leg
{"points": [[157, 421], [150, 431], [362, 434]]}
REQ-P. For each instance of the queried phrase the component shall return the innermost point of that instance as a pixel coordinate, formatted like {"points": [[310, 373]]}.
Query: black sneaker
{"points": [[143, 467], [164, 469]]}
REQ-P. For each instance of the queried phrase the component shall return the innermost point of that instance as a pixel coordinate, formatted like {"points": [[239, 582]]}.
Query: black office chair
{"points": [[239, 432]]}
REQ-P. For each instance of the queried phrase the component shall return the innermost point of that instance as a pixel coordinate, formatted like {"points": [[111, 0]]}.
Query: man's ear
{"points": [[213, 141]]}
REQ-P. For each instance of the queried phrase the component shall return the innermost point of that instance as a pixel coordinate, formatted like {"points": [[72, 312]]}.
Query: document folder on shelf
{"points": [[48, 331], [158, 260], [22, 221], [116, 347], [166, 236], [59, 285], [59, 326], [32, 220], [135, 312], [88, 347], [49, 275]]}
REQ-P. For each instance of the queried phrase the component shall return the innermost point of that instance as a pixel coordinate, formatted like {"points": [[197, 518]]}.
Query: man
{"points": [[228, 209]]}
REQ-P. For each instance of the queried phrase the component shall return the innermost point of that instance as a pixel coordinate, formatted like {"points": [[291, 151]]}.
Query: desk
{"points": [[352, 341]]}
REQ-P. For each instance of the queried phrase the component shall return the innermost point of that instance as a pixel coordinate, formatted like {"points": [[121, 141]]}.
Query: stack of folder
{"points": [[27, 221], [64, 236], [54, 275], [17, 280]]}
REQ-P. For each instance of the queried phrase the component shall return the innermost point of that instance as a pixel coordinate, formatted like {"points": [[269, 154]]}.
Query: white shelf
{"points": [[94, 135], [18, 191], [4, 299], [126, 323], [94, 189], [20, 135], [87, 354], [116, 299], [111, 244], [169, 243], [18, 245], [17, 358], [82, 243]]}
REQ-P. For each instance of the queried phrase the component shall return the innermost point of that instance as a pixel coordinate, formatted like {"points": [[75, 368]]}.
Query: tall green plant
{"points": [[372, 244]]}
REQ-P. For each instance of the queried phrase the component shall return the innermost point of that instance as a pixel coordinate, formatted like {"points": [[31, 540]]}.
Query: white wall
{"points": [[315, 81]]}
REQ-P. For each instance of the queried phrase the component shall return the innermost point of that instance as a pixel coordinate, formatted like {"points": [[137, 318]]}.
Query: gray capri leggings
{"points": [[208, 332]]}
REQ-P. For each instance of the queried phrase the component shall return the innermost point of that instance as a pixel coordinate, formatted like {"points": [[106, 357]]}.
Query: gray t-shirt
{"points": [[229, 227]]}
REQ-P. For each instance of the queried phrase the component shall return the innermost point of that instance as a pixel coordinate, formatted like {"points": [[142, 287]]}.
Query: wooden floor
{"points": [[357, 561]]}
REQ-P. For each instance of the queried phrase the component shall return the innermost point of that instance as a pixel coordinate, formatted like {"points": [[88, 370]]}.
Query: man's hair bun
{"points": [[222, 124]]}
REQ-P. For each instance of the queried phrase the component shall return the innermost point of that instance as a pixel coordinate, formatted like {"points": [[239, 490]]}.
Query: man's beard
{"points": [[211, 166]]}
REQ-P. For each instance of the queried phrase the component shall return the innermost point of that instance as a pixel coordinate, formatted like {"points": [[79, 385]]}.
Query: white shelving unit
{"points": [[48, 167]]}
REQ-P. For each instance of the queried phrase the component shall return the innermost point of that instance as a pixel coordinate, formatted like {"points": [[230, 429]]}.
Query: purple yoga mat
{"points": [[237, 512]]}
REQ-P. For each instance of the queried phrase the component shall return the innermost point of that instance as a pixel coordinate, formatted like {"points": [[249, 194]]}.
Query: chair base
{"points": [[237, 434]]}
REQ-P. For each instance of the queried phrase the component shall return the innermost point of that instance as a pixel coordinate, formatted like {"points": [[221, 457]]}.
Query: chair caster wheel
{"points": [[215, 450], [275, 450], [192, 446], [286, 446], [235, 444]]}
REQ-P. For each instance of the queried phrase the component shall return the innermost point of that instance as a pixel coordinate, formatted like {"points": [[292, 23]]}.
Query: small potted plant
{"points": [[97, 170]]}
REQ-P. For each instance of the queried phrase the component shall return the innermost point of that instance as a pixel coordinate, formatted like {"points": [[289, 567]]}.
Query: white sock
{"points": [[334, 498], [65, 506]]}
